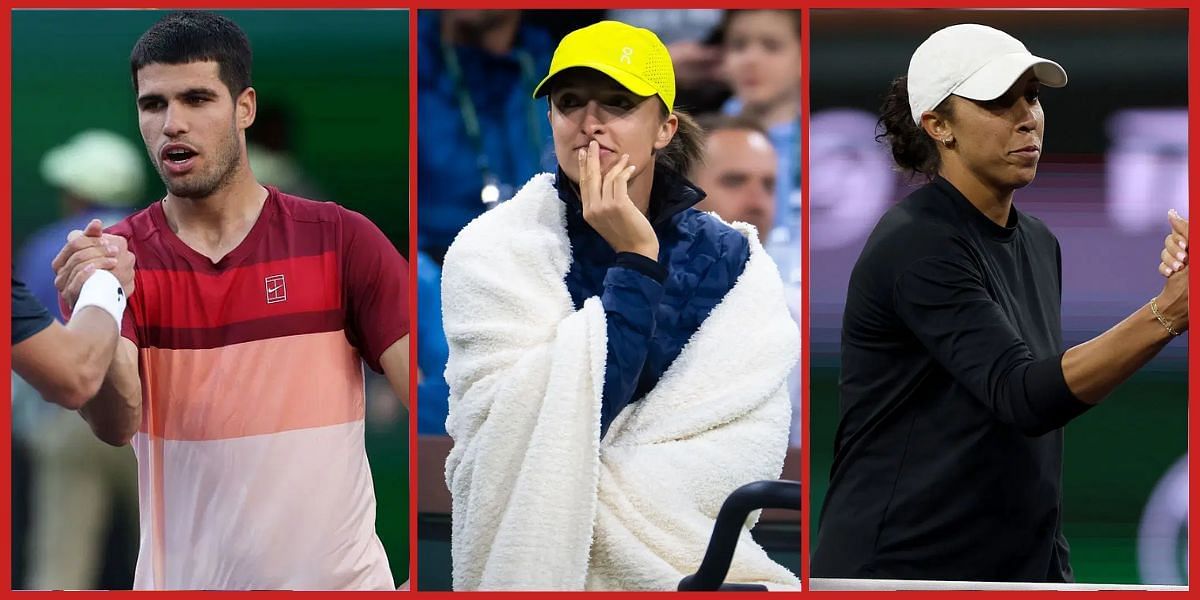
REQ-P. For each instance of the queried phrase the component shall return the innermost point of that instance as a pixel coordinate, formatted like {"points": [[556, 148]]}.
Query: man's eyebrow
{"points": [[142, 99], [195, 91], [198, 91]]}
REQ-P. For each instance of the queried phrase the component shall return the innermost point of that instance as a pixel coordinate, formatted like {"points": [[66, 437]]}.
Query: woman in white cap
{"points": [[618, 359], [954, 384]]}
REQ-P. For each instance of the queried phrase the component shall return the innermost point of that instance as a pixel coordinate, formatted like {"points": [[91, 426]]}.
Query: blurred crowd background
{"points": [[1115, 161], [482, 136], [332, 124]]}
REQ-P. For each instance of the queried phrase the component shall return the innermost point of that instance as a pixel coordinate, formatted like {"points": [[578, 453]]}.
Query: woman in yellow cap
{"points": [[618, 359]]}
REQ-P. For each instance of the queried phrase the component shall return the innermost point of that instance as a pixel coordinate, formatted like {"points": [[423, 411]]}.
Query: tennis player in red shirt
{"points": [[238, 378]]}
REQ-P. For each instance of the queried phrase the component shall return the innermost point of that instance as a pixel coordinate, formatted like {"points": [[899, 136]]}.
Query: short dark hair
{"points": [[195, 36]]}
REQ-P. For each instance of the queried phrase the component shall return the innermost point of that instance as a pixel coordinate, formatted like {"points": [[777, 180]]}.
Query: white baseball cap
{"points": [[973, 61], [97, 165]]}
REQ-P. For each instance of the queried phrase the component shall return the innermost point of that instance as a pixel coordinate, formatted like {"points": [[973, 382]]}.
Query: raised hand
{"points": [[608, 208], [1172, 302], [1174, 255]]}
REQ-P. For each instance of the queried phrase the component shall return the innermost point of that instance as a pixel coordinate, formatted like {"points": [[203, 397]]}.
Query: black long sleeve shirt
{"points": [[29, 317], [948, 457]]}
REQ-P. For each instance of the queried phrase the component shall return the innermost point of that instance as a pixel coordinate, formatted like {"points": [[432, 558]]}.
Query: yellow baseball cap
{"points": [[632, 56]]}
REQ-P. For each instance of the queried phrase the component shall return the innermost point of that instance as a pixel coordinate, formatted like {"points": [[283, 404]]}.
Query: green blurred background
{"points": [[334, 82], [341, 75]]}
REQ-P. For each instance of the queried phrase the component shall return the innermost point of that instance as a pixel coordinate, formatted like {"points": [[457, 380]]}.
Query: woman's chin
{"points": [[1024, 177]]}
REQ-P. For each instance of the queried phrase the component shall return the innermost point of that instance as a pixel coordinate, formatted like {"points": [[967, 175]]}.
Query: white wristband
{"points": [[102, 290]]}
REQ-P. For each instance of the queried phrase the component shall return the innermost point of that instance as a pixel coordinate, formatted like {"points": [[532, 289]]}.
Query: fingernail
{"points": [[1182, 244], [632, 167], [1170, 270], [1177, 266], [1181, 256], [1172, 213]]}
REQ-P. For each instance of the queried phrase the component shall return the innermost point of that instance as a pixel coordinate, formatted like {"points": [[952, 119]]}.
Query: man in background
{"points": [[98, 175], [738, 172], [83, 491], [739, 175]]}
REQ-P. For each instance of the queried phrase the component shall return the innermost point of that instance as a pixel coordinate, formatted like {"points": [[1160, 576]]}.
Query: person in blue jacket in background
{"points": [[476, 71], [432, 350]]}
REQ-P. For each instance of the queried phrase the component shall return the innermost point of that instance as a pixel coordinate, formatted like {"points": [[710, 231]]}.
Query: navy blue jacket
{"points": [[652, 308]]}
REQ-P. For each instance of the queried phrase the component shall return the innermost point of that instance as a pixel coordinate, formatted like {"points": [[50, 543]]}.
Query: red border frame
{"points": [[6, 257], [414, 6], [412, 299], [6, 225], [805, 519], [1193, 202]]}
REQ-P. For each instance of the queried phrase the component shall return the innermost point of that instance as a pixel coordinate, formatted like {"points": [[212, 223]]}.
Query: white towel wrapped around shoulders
{"points": [[539, 502]]}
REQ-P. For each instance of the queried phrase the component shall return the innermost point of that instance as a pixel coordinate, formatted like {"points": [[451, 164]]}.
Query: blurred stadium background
{"points": [[499, 74], [1115, 161], [332, 125]]}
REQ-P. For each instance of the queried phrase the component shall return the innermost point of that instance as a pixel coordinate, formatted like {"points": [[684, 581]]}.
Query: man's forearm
{"points": [[97, 344], [116, 411], [67, 364]]}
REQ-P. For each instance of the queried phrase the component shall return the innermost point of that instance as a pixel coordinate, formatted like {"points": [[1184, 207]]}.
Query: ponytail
{"points": [[912, 148], [685, 150]]}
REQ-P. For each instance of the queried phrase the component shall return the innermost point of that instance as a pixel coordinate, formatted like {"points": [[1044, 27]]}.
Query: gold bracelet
{"points": [[1158, 315]]}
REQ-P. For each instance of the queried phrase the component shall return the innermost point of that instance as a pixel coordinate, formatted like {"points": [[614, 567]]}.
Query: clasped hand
{"points": [[86, 251]]}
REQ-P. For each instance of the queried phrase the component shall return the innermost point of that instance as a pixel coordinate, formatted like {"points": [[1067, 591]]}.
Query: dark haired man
{"points": [[738, 171], [239, 375]]}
